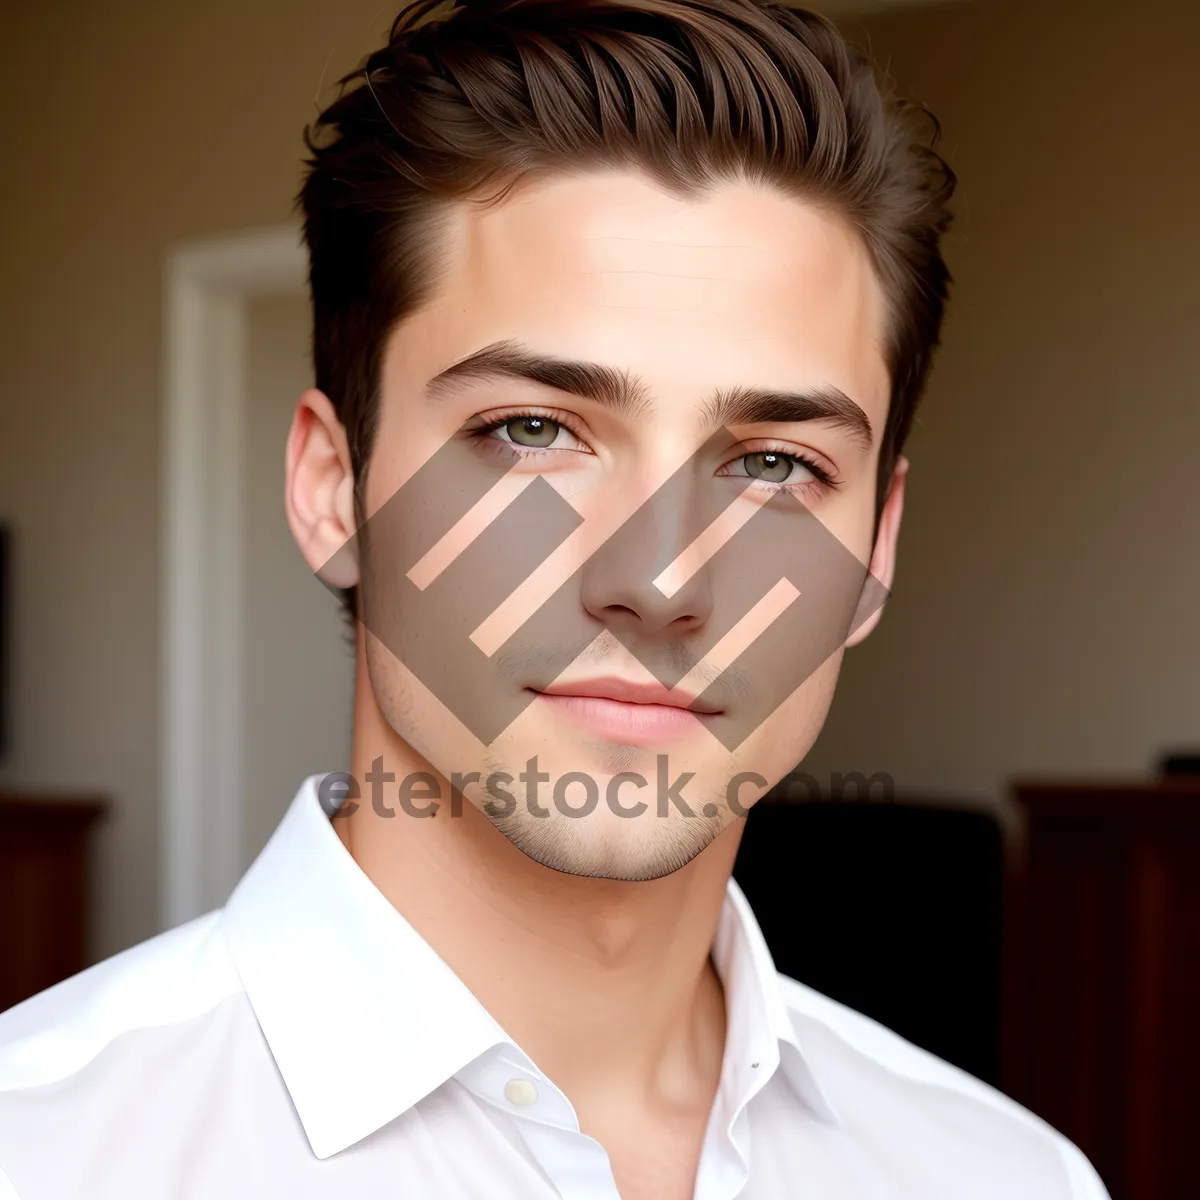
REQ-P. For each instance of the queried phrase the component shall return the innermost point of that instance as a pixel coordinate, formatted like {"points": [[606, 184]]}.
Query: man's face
{"points": [[586, 577]]}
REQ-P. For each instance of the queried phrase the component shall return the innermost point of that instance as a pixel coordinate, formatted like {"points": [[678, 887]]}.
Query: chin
{"points": [[602, 845]]}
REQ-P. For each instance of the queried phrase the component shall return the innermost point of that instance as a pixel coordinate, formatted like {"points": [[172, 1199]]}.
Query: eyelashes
{"points": [[482, 429], [818, 473], [541, 430]]}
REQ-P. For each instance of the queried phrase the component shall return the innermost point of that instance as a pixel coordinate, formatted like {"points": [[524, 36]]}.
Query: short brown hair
{"points": [[461, 104]]}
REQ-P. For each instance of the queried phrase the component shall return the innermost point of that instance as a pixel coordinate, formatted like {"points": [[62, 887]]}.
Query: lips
{"points": [[624, 713], [627, 692]]}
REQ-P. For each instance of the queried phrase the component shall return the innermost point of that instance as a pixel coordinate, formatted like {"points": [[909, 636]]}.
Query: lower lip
{"points": [[620, 721]]}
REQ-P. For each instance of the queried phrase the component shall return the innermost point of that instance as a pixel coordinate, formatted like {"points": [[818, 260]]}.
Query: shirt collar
{"points": [[760, 1036], [364, 1019]]}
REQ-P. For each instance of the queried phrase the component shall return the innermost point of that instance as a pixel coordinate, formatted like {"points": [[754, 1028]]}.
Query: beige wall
{"points": [[1045, 613], [128, 126], [1045, 608]]}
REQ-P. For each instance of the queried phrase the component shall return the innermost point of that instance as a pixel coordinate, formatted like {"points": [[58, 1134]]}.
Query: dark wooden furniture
{"points": [[43, 891], [1102, 1003]]}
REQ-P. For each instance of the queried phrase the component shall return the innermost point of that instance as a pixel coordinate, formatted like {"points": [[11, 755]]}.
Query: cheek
{"points": [[783, 740], [406, 438], [392, 461], [417, 716], [849, 513]]}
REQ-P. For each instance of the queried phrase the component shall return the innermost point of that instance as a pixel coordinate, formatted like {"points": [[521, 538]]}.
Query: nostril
{"points": [[620, 608]]}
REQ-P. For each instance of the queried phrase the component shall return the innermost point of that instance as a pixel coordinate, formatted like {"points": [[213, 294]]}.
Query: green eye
{"points": [[769, 466], [532, 431]]}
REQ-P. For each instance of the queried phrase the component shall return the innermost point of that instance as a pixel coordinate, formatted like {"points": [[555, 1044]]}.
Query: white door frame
{"points": [[208, 287]]}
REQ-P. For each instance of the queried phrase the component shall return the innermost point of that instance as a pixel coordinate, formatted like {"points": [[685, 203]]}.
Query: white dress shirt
{"points": [[304, 1042]]}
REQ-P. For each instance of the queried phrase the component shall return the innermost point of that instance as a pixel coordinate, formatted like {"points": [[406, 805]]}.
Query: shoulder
{"points": [[173, 977], [952, 1116], [108, 1054]]}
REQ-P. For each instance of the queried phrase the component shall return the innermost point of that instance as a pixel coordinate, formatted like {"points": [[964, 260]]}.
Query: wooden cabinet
{"points": [[43, 891], [1102, 1004]]}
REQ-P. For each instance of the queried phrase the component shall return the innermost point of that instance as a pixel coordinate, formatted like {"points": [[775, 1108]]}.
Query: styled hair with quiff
{"points": [[467, 98]]}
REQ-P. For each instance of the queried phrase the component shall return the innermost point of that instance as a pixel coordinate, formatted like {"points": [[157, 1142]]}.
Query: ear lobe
{"points": [[319, 491], [883, 556]]}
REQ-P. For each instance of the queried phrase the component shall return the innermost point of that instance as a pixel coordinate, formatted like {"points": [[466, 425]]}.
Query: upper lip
{"points": [[612, 688]]}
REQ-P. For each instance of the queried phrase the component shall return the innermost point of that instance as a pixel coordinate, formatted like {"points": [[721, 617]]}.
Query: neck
{"points": [[606, 984]]}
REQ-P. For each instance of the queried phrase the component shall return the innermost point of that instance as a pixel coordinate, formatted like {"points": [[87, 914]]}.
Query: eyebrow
{"points": [[629, 395]]}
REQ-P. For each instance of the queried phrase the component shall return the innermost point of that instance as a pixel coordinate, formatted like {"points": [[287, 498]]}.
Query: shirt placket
{"points": [[576, 1164]]}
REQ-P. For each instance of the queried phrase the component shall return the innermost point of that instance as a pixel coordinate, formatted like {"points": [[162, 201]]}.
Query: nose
{"points": [[618, 579]]}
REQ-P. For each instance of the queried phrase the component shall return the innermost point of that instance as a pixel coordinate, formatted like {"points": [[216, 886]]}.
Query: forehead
{"points": [[743, 287]]}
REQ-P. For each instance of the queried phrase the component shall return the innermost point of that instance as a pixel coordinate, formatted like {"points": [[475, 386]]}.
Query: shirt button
{"points": [[520, 1092]]}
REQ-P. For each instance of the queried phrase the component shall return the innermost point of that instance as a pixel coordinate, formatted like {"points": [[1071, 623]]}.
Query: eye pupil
{"points": [[532, 431], [769, 465]]}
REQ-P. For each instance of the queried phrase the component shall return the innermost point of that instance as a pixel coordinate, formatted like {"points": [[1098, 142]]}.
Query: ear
{"points": [[319, 493], [883, 557]]}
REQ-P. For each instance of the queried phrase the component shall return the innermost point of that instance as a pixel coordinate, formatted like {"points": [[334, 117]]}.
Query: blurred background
{"points": [[171, 669]]}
